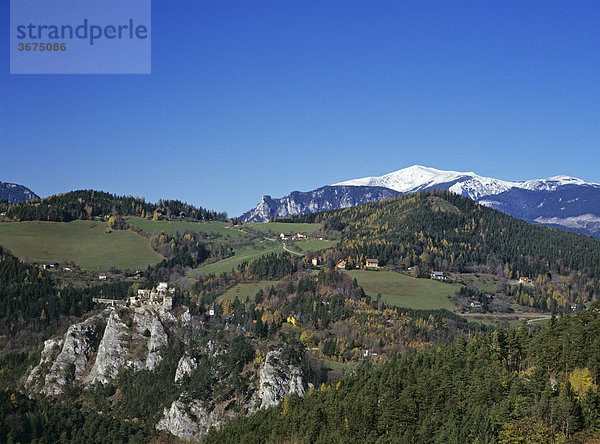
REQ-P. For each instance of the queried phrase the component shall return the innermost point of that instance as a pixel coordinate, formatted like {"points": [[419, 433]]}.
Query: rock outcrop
{"points": [[112, 352], [321, 199], [96, 349], [276, 381], [76, 350], [187, 364], [189, 419]]}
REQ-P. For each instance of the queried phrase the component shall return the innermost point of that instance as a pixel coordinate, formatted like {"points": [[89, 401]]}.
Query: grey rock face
{"points": [[146, 319], [186, 366], [277, 381], [97, 348], [321, 199], [190, 420], [112, 352], [76, 349], [51, 348]]}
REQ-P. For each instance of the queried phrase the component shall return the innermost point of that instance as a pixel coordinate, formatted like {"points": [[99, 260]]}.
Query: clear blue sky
{"points": [[264, 97]]}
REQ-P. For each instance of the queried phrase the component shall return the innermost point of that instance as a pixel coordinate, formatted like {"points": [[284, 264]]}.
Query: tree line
{"points": [[90, 204]]}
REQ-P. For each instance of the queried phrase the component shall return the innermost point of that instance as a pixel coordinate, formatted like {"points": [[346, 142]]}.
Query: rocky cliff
{"points": [[191, 418], [321, 199], [97, 348], [95, 351]]}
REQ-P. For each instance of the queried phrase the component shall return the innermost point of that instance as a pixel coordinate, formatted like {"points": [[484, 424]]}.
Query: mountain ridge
{"points": [[15, 193], [321, 199], [560, 201], [419, 178]]}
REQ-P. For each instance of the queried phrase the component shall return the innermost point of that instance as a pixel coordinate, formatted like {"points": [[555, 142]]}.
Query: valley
{"points": [[264, 319]]}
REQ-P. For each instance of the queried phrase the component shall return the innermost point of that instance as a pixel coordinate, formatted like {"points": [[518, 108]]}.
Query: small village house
{"points": [[372, 263], [438, 275], [341, 265]]}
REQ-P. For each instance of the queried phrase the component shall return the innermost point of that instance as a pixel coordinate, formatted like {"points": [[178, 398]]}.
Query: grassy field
{"points": [[278, 227], [484, 282], [313, 244], [248, 253], [243, 254], [172, 226], [405, 291], [247, 290], [82, 242]]}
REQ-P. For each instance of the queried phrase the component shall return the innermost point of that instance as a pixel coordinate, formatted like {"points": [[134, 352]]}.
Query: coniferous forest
{"points": [[440, 230], [516, 386], [88, 204]]}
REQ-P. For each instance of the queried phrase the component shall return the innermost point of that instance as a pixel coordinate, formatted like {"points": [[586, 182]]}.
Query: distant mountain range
{"points": [[561, 201], [321, 199], [15, 193]]}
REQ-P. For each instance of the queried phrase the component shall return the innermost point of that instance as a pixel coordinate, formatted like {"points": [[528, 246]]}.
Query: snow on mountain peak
{"points": [[417, 177]]}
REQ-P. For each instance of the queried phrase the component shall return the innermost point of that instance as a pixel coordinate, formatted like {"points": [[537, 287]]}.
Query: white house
{"points": [[438, 275], [372, 263]]}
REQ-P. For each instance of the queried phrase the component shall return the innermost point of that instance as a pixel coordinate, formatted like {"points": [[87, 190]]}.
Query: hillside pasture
{"points": [[405, 291], [483, 282], [279, 227], [181, 226], [83, 242], [246, 290], [246, 253]]}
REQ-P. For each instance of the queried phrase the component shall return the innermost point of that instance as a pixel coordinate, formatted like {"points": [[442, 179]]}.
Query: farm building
{"points": [[372, 263], [438, 275]]}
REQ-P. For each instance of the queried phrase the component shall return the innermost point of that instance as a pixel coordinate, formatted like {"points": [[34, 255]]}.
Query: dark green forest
{"points": [[516, 386], [89, 204], [440, 230]]}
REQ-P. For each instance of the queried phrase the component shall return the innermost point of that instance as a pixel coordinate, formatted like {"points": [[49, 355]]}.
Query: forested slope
{"points": [[439, 230], [87, 204], [516, 386]]}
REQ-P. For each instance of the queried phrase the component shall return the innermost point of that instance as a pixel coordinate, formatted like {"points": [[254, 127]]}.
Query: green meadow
{"points": [[83, 242], [279, 227], [172, 226], [246, 253], [313, 244], [484, 282], [246, 290], [405, 291]]}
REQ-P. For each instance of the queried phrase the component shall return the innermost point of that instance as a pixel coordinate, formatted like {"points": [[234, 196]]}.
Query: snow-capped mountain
{"points": [[15, 193], [560, 201], [420, 178]]}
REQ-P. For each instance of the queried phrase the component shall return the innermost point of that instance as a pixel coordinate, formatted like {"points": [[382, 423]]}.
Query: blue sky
{"points": [[264, 97]]}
